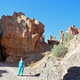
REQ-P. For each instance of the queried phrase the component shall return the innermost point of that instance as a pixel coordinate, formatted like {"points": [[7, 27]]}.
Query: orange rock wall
{"points": [[20, 34]]}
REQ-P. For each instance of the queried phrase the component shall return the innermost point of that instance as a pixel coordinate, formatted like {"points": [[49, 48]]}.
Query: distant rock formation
{"points": [[78, 30], [53, 40], [73, 30], [20, 35], [61, 36]]}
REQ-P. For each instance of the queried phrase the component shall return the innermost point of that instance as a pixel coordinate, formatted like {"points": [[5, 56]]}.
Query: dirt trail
{"points": [[10, 73]]}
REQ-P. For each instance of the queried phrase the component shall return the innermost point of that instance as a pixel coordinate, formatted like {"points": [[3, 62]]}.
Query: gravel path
{"points": [[8, 72]]}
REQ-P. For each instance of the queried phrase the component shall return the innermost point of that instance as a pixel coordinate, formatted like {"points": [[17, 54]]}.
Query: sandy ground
{"points": [[9, 72]]}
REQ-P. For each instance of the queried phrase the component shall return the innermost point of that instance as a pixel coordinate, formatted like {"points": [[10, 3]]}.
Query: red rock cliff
{"points": [[20, 35]]}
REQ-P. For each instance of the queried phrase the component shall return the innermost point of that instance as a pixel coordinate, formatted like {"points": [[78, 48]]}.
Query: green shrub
{"points": [[65, 42], [68, 37], [59, 50]]}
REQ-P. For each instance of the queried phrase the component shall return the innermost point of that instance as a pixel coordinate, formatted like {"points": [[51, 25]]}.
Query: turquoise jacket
{"points": [[21, 64]]}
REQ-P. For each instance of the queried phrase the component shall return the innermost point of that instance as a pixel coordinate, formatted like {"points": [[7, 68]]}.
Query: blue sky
{"points": [[56, 15]]}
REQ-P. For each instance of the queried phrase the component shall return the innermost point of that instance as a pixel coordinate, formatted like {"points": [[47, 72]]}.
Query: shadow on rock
{"points": [[2, 71], [36, 75], [73, 73]]}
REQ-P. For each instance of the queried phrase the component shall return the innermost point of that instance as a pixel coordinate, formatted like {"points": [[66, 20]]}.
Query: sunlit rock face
{"points": [[73, 30], [20, 35]]}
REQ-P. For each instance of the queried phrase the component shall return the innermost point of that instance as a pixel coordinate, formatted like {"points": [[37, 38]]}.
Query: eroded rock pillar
{"points": [[61, 36]]}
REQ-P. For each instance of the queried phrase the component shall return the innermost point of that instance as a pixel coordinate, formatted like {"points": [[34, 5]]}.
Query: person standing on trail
{"points": [[21, 67]]}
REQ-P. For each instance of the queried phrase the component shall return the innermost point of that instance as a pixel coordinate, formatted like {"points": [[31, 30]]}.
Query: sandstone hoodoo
{"points": [[61, 36], [19, 35]]}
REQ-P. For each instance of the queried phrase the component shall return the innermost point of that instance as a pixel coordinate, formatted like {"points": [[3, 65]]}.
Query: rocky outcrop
{"points": [[20, 35], [72, 57], [73, 30], [66, 68], [53, 41], [52, 38], [42, 39]]}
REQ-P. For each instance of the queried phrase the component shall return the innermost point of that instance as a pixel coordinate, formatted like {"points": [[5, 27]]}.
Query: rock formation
{"points": [[20, 35], [67, 68], [52, 40], [61, 36], [78, 30], [73, 30], [42, 39]]}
